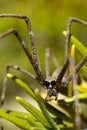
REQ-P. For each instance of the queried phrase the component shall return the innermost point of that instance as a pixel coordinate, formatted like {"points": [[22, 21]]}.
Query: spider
{"points": [[58, 79]]}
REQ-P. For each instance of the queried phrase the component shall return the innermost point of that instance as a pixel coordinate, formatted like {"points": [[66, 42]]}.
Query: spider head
{"points": [[51, 88], [50, 84]]}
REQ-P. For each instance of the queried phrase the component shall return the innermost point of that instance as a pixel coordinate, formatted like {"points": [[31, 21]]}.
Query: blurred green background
{"points": [[48, 19]]}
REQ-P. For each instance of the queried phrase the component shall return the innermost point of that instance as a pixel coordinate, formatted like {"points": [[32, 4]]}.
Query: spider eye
{"points": [[47, 83], [53, 83], [26, 19]]}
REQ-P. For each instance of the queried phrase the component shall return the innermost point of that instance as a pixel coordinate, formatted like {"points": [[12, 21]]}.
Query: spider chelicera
{"points": [[52, 83]]}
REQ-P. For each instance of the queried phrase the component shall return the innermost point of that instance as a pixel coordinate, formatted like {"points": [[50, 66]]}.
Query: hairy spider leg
{"points": [[29, 55], [64, 68], [31, 35], [77, 68], [49, 54], [84, 60], [33, 59]]}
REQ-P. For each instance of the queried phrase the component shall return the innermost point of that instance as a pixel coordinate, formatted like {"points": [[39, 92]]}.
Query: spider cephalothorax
{"points": [[52, 83], [51, 88]]}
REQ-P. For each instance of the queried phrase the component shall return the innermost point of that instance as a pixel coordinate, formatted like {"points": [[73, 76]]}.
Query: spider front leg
{"points": [[49, 55], [40, 77], [84, 60], [77, 68], [33, 59], [64, 68], [31, 35]]}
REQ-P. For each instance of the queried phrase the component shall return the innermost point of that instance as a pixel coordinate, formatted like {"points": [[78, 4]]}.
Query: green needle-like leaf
{"points": [[81, 48], [18, 122], [22, 85], [34, 111], [17, 114], [45, 112], [82, 96], [22, 115]]}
